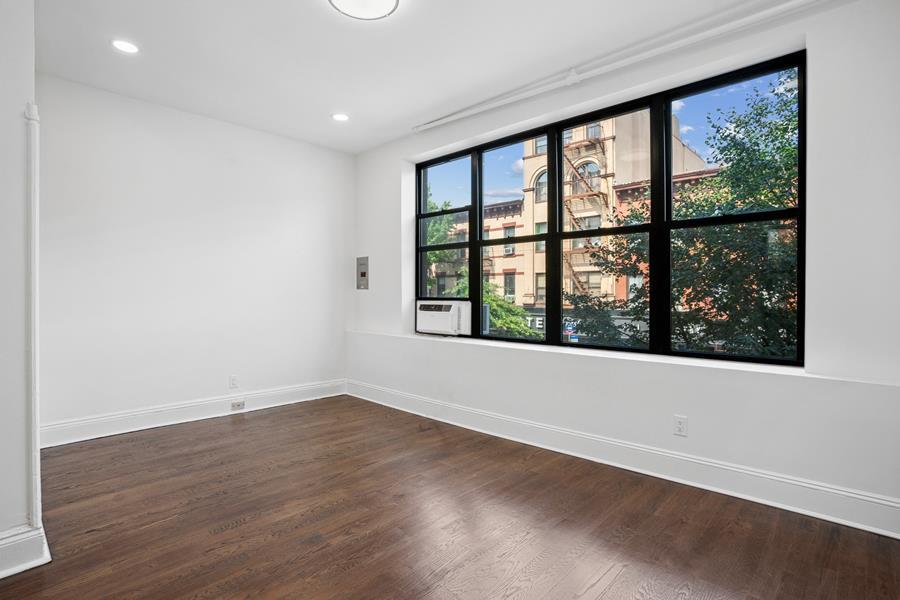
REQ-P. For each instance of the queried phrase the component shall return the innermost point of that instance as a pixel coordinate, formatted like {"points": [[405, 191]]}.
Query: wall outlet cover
{"points": [[680, 425]]}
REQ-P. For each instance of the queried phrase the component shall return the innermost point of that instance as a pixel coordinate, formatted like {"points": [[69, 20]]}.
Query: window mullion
{"points": [[660, 249], [475, 262], [553, 250]]}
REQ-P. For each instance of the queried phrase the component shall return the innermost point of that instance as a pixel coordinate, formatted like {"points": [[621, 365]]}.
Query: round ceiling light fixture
{"points": [[365, 10], [125, 46]]}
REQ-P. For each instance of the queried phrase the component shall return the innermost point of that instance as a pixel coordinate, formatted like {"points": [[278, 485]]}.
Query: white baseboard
{"points": [[86, 428], [22, 548], [855, 508]]}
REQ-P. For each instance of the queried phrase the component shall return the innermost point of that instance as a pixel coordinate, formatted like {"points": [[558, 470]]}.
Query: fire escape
{"points": [[584, 189]]}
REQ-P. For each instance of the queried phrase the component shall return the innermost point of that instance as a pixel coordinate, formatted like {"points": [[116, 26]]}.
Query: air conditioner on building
{"points": [[446, 317], [510, 297]]}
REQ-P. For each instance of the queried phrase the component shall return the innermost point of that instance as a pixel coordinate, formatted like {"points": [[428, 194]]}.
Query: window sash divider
{"points": [[509, 241], [606, 231], [441, 213], [736, 218], [439, 247]]}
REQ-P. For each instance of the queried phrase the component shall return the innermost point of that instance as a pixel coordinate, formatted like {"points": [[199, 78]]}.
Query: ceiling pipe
{"points": [[713, 27]]}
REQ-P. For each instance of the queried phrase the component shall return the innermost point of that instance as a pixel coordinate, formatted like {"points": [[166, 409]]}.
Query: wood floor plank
{"points": [[342, 498]]}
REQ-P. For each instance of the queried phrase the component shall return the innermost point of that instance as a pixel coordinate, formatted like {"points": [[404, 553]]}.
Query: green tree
{"points": [[734, 287], [442, 230]]}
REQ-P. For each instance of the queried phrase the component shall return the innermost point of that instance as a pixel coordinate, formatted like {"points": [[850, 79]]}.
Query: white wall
{"points": [[178, 250], [17, 75], [22, 542], [823, 439]]}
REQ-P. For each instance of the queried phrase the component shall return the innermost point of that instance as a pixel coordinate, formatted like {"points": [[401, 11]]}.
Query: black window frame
{"points": [[658, 228]]}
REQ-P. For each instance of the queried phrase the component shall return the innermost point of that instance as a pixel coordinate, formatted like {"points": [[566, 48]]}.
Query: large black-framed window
{"points": [[672, 224]]}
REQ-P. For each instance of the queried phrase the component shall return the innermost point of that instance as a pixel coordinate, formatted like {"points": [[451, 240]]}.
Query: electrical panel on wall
{"points": [[362, 272]]}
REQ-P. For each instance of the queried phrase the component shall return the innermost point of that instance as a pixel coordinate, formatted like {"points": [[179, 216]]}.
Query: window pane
{"points": [[734, 289], [445, 229], [735, 148], [540, 228], [447, 185], [444, 273], [510, 291], [606, 172], [514, 199], [540, 188], [540, 288], [606, 299]]}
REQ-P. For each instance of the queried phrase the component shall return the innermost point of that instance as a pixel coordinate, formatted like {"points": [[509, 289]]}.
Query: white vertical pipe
{"points": [[32, 182]]}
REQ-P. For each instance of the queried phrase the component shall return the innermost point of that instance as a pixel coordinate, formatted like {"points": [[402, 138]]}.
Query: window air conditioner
{"points": [[446, 317]]}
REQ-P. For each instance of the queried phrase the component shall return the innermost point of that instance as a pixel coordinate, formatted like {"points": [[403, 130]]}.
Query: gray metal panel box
{"points": [[362, 272]]}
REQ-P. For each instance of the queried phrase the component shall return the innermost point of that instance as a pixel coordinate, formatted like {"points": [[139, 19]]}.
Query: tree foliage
{"points": [[442, 230], [507, 319]]}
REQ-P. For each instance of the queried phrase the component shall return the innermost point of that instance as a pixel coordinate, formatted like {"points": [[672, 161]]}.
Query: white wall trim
{"points": [[86, 428], [22, 548], [856, 508]]}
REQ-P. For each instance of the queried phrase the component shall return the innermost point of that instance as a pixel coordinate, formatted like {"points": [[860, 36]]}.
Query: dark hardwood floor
{"points": [[341, 498]]}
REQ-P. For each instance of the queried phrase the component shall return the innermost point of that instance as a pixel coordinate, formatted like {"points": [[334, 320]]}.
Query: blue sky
{"points": [[451, 182], [692, 110], [502, 174], [502, 171]]}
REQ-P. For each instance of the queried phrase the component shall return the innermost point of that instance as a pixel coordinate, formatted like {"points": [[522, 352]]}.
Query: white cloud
{"points": [[686, 128], [510, 193], [677, 105], [518, 167]]}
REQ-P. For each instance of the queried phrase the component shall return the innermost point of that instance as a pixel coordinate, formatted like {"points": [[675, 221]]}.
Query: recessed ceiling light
{"points": [[126, 47], [366, 10], [340, 117]]}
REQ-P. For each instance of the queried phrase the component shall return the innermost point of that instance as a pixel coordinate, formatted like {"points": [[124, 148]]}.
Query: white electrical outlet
{"points": [[237, 405], [680, 425], [233, 382]]}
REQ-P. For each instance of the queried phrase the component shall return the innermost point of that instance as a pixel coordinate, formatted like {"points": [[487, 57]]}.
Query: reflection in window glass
{"points": [[734, 289], [444, 229], [512, 303], [444, 273], [447, 185], [511, 190], [607, 179], [735, 148], [605, 299]]}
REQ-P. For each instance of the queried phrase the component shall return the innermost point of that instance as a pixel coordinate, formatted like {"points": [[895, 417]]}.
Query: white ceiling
{"points": [[285, 66]]}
